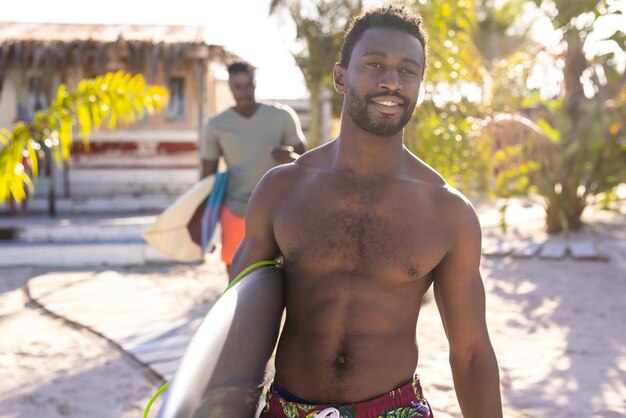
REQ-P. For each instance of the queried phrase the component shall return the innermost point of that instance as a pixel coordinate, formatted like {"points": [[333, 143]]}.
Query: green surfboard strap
{"points": [[154, 398], [231, 284], [249, 269]]}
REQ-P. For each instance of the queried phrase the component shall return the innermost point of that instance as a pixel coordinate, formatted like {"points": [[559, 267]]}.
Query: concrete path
{"points": [[154, 329]]}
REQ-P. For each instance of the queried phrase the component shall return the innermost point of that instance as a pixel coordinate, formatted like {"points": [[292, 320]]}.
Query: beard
{"points": [[383, 126]]}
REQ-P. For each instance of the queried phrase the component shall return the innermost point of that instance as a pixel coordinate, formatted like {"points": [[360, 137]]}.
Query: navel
{"points": [[341, 361]]}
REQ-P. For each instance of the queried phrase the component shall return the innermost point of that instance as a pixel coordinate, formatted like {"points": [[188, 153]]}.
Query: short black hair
{"points": [[394, 17], [240, 67]]}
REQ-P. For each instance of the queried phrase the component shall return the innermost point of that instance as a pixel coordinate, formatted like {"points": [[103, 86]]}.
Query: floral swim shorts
{"points": [[405, 401]]}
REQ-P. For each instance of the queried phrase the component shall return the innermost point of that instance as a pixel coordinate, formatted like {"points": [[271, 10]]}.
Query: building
{"points": [[149, 162]]}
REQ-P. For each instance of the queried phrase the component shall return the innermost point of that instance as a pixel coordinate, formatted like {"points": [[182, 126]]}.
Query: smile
{"points": [[389, 104]]}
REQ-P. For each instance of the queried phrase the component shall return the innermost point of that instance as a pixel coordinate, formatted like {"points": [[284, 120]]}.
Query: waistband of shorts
{"points": [[401, 396]]}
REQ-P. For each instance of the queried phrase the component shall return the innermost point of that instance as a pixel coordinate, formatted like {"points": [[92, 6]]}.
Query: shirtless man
{"points": [[365, 228]]}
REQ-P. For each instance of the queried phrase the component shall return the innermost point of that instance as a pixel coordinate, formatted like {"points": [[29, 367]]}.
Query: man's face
{"points": [[242, 86], [382, 80]]}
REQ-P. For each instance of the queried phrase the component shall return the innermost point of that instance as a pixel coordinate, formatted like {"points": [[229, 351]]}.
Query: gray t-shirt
{"points": [[245, 144]]}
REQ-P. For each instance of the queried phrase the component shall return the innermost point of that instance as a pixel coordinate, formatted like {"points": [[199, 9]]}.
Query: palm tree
{"points": [[583, 155], [321, 32], [497, 36], [109, 100]]}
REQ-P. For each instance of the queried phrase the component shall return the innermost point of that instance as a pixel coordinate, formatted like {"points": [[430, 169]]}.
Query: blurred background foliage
{"points": [[521, 97], [320, 26]]}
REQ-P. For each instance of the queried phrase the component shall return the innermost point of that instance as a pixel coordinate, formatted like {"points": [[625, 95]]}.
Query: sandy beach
{"points": [[558, 328]]}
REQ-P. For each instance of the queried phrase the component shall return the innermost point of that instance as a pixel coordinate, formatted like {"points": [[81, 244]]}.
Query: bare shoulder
{"points": [[278, 180], [461, 222], [319, 157], [276, 184], [462, 214], [455, 208]]}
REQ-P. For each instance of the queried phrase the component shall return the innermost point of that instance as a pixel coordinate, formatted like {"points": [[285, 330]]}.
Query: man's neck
{"points": [[363, 154]]}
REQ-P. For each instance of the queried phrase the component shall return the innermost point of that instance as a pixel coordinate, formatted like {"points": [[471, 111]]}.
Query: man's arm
{"points": [[294, 143], [299, 148], [258, 243], [460, 297], [208, 167], [210, 151], [287, 153]]}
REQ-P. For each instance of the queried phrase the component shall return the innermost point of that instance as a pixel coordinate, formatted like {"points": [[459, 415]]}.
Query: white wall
{"points": [[131, 182], [8, 100]]}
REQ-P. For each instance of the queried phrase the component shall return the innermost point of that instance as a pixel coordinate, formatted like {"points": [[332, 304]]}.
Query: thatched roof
{"points": [[512, 129], [138, 48], [72, 33]]}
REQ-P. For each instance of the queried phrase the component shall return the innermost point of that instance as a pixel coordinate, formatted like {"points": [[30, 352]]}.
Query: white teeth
{"points": [[388, 103]]}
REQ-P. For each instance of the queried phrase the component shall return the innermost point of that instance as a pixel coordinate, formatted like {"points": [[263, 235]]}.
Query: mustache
{"points": [[405, 100]]}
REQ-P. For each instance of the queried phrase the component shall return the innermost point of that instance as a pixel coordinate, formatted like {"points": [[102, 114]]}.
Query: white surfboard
{"points": [[170, 232], [222, 371]]}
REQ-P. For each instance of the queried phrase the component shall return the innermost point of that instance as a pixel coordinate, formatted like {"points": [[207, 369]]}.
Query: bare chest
{"points": [[382, 230]]}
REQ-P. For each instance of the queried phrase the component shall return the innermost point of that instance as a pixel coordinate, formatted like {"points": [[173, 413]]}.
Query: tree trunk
{"points": [[564, 213], [574, 214], [575, 65], [554, 224], [565, 208]]}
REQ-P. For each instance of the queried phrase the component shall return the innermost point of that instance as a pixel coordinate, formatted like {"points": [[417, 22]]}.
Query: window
{"points": [[32, 98], [176, 106]]}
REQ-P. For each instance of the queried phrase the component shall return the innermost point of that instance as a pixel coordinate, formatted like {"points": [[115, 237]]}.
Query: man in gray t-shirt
{"points": [[252, 137]]}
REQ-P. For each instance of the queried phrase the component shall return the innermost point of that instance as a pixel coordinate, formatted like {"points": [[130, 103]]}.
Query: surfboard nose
{"points": [[224, 365]]}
